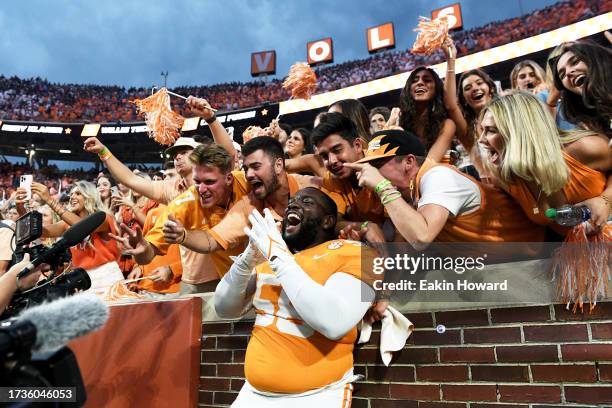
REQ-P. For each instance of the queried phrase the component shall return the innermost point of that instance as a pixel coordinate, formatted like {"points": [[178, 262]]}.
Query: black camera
{"points": [[28, 228], [66, 284]]}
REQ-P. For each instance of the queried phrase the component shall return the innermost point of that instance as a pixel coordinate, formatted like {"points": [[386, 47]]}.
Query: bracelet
{"points": [[105, 154], [391, 197], [364, 224], [183, 238], [384, 183], [450, 70], [211, 120]]}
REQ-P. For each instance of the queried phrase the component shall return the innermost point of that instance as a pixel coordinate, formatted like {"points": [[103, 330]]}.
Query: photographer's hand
{"points": [[9, 283]]}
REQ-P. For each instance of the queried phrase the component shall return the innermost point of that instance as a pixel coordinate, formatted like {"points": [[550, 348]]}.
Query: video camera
{"points": [[28, 228]]}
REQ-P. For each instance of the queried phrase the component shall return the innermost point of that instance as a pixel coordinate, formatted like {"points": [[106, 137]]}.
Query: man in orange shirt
{"points": [[216, 189], [270, 186], [337, 142], [308, 294]]}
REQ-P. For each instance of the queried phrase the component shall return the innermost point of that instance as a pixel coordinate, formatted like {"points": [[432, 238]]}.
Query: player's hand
{"points": [[377, 311], [265, 235], [93, 145], [174, 232]]}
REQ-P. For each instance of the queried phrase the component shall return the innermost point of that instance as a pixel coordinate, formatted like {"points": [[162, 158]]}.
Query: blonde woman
{"points": [[539, 169], [98, 255], [48, 217], [528, 76]]}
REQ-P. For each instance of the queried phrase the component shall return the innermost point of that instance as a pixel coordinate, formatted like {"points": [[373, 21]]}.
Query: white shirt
{"points": [[450, 189]]}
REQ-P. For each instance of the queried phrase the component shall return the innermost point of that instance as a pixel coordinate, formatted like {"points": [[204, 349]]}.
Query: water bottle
{"points": [[569, 215]]}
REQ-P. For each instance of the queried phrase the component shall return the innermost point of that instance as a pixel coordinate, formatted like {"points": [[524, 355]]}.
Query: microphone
{"points": [[72, 236], [50, 326]]}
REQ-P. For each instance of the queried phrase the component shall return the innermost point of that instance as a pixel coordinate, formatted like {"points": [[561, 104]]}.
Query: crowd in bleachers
{"points": [[37, 99]]}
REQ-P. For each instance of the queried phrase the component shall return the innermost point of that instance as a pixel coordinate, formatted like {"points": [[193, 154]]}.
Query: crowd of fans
{"points": [[453, 161], [38, 100]]}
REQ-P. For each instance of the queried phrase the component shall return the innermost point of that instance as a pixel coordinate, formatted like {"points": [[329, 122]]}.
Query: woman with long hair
{"points": [[357, 113], [528, 76], [422, 112], [551, 96], [98, 255], [464, 102], [583, 76], [298, 143], [539, 169], [105, 186]]}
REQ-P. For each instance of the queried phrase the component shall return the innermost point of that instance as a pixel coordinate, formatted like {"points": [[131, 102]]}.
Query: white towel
{"points": [[396, 329]]}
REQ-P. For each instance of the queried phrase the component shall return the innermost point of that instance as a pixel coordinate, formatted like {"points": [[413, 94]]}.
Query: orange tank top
{"points": [[96, 251], [584, 183]]}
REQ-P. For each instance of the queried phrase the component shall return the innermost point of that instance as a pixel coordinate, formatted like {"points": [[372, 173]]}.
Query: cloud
{"points": [[128, 43]]}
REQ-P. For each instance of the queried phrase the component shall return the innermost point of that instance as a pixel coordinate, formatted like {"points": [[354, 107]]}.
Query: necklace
{"points": [[536, 209]]}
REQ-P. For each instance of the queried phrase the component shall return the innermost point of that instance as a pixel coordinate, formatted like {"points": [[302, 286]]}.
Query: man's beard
{"points": [[305, 235], [272, 187]]}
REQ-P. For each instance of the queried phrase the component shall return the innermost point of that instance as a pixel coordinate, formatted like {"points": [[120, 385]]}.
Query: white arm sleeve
{"points": [[331, 309], [234, 294]]}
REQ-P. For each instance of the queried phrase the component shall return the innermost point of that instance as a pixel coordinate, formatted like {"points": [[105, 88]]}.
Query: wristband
{"points": [[105, 154], [384, 183], [211, 120], [364, 224], [183, 238]]}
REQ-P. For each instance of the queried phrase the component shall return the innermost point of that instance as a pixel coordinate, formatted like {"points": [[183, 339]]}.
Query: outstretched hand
{"points": [[174, 232], [132, 240]]}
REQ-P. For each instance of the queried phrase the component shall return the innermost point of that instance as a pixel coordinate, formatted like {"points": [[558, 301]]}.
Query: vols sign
{"points": [[320, 51], [263, 62], [453, 13], [380, 37]]}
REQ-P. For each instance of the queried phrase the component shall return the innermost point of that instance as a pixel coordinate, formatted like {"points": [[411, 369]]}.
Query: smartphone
{"points": [[114, 191], [26, 182]]}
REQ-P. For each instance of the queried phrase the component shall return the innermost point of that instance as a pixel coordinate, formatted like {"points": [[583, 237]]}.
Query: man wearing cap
{"points": [[429, 201]]}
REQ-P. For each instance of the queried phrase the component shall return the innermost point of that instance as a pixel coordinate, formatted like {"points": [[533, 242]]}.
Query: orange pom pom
{"points": [[119, 291], [431, 35], [301, 81], [251, 132], [163, 124]]}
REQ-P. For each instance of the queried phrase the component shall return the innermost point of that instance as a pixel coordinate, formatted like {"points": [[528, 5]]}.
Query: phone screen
{"points": [[26, 182]]}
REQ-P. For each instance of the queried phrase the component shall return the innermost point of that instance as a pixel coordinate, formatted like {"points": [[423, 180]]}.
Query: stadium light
{"points": [[65, 151]]}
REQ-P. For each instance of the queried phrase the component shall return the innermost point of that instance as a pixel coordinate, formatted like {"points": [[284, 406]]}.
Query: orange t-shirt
{"points": [[96, 251], [230, 231], [172, 259], [187, 209], [584, 183], [360, 204], [285, 354]]}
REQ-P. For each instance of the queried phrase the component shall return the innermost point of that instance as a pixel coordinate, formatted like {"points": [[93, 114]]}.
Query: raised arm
{"points": [[450, 96], [120, 172], [443, 141], [234, 294], [201, 107], [307, 163]]}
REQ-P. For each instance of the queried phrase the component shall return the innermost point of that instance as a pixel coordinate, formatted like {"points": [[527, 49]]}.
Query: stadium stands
{"points": [[37, 99]]}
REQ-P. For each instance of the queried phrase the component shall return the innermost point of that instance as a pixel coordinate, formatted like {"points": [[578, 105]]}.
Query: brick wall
{"points": [[539, 356]]}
